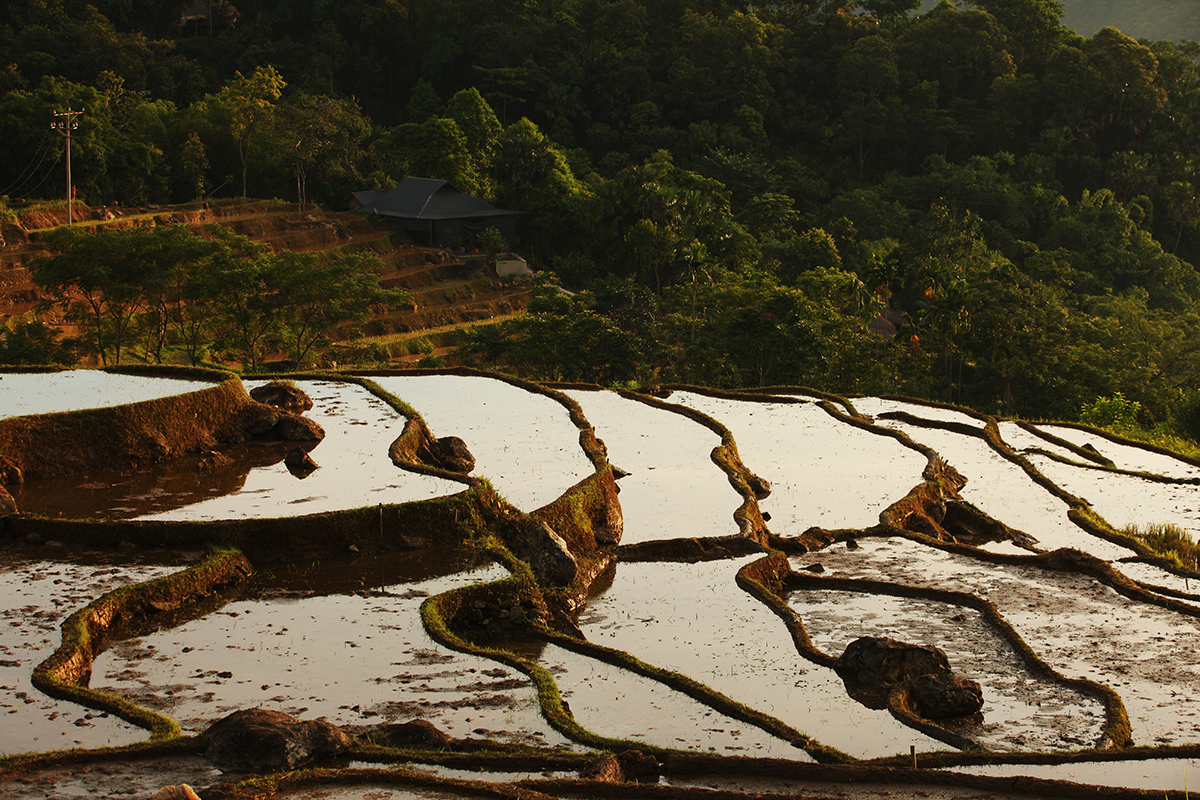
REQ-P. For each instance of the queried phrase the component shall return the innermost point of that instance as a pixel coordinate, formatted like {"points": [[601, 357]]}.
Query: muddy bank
{"points": [[126, 436]]}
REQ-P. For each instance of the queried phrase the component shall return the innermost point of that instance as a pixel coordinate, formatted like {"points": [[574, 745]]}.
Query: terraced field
{"points": [[761, 535], [448, 289]]}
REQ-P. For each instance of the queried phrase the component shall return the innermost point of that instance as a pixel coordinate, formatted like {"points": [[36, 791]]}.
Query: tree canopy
{"points": [[966, 201]]}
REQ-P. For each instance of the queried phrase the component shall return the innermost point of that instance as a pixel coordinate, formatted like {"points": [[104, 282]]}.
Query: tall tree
{"points": [[251, 106]]}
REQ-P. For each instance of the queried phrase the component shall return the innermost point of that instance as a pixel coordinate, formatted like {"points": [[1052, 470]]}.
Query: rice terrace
{"points": [[432, 586]]}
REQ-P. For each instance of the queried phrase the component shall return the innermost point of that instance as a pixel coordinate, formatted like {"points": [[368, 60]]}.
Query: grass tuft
{"points": [[1168, 540]]}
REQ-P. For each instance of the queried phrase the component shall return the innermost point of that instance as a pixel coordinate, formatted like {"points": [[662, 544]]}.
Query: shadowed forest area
{"points": [[967, 203]]}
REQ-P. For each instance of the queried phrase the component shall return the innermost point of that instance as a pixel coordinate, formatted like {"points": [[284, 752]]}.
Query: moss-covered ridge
{"points": [[85, 634]]}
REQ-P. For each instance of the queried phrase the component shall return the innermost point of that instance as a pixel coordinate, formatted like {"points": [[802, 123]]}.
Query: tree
{"points": [[33, 342], [103, 280], [868, 78], [477, 121], [194, 164], [324, 136], [1034, 25], [889, 9], [241, 282], [316, 297], [251, 106]]}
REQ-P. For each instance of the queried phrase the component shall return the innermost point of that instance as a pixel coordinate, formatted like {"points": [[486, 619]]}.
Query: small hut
{"points": [[436, 213]]}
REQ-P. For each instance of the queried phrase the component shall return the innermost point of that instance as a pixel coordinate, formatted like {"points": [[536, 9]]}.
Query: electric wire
{"points": [[30, 170]]}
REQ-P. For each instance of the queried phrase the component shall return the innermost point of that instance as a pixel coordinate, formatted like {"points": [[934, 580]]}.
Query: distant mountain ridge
{"points": [[1170, 20]]}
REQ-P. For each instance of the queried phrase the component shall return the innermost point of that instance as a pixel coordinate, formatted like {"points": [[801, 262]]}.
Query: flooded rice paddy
{"points": [[24, 393], [42, 587], [354, 470], [523, 442], [344, 640]]}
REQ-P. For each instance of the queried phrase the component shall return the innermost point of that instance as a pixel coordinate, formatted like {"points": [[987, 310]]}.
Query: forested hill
{"points": [[971, 204]]}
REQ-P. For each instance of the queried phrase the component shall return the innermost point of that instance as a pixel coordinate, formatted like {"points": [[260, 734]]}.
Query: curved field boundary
{"points": [[587, 435], [749, 486], [86, 632], [1111, 467], [700, 692], [769, 578], [1058, 441], [371, 529], [1114, 438], [916, 401], [438, 611]]}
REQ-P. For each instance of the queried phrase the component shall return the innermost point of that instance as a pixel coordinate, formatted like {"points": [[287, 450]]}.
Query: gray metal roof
{"points": [[369, 196], [426, 198]]}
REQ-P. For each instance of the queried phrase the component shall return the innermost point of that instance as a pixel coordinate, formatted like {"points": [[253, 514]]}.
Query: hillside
{"points": [[449, 290]]}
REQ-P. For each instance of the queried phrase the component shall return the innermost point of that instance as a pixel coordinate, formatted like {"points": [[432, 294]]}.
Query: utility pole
{"points": [[65, 126]]}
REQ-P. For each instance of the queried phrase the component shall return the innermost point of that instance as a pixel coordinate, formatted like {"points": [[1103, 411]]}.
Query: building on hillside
{"points": [[437, 214]]}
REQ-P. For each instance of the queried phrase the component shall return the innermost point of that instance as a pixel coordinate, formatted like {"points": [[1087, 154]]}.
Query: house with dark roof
{"points": [[436, 213]]}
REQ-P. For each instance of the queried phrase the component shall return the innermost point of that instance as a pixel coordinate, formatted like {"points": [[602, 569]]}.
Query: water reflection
{"points": [[129, 494]]}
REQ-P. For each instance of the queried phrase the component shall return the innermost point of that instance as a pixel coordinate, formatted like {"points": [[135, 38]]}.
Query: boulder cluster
{"points": [[880, 666]]}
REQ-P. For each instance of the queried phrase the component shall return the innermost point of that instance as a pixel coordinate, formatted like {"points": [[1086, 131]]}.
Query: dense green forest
{"points": [[971, 203]]}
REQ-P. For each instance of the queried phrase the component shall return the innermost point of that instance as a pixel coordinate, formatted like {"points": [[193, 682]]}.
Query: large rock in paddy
{"points": [[258, 739], [282, 395], [879, 664]]}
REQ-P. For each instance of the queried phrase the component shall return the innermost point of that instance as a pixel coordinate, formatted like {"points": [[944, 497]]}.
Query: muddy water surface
{"points": [[1127, 499], [41, 587], [1021, 711], [351, 658], [523, 442], [1080, 627], [668, 457], [354, 471], [72, 390], [694, 619], [1004, 491], [822, 471]]}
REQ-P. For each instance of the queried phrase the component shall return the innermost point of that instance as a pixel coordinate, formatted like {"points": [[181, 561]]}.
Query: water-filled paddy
{"points": [[345, 640], [1156, 775], [354, 471], [1004, 491], [1078, 626], [72, 390], [667, 456], [1127, 499], [1126, 456], [822, 471], [873, 406], [628, 706], [523, 442], [41, 587], [718, 634], [1021, 711], [353, 659]]}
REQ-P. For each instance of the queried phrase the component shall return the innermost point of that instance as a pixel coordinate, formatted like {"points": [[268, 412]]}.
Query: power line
{"points": [[27, 174], [65, 126]]}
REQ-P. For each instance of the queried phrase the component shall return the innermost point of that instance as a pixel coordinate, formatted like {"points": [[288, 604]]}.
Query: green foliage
{"points": [[1115, 412], [1187, 417], [1020, 201], [432, 362], [34, 343], [1169, 541], [168, 286], [492, 242]]}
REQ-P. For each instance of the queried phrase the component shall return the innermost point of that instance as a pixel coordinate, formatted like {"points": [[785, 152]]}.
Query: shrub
{"points": [[35, 343], [1112, 412], [1187, 418], [1169, 541]]}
